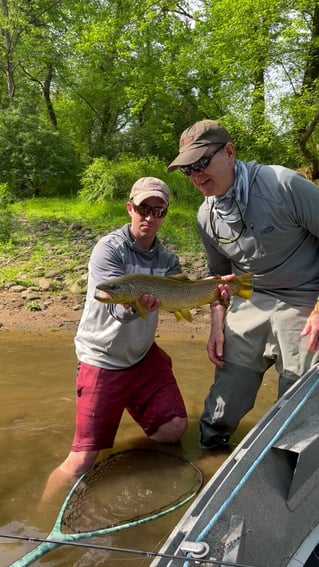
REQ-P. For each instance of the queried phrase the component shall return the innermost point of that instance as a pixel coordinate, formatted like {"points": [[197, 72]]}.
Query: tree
{"points": [[308, 119], [112, 77]]}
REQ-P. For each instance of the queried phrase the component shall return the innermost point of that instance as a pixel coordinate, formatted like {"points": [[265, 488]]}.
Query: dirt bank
{"points": [[63, 312]]}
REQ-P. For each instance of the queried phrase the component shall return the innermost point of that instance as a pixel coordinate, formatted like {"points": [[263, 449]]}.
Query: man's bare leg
{"points": [[65, 475]]}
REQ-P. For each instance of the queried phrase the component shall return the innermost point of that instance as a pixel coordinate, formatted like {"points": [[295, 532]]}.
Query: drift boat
{"points": [[261, 508]]}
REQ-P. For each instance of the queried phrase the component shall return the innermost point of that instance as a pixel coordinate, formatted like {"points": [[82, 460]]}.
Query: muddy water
{"points": [[36, 427]]}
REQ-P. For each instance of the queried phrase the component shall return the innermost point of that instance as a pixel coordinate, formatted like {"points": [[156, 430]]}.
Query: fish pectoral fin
{"points": [[183, 314], [142, 312]]}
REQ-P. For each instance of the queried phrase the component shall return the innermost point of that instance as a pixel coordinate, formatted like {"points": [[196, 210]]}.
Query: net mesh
{"points": [[129, 486]]}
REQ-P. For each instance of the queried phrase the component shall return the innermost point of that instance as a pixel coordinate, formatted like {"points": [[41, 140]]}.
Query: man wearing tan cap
{"points": [[120, 365], [261, 219]]}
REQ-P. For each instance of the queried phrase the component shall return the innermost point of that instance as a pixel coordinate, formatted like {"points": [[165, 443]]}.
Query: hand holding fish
{"points": [[225, 291], [148, 302]]}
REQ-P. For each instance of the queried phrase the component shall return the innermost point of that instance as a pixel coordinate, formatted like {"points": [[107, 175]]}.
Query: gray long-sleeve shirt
{"points": [[109, 336], [280, 244]]}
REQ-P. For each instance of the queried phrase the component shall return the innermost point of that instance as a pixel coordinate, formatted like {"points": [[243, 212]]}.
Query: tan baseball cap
{"points": [[146, 187], [195, 140]]}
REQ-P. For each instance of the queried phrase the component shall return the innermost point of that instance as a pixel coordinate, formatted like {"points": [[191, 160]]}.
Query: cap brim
{"points": [[138, 199], [188, 157]]}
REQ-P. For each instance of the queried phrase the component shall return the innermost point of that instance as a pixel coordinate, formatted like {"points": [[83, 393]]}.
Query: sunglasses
{"points": [[201, 164], [145, 210]]}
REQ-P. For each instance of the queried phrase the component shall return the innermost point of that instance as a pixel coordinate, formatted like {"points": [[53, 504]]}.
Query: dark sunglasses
{"points": [[201, 164], [145, 210]]}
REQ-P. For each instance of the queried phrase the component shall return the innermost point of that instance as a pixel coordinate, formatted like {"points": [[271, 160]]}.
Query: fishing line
{"points": [[142, 552]]}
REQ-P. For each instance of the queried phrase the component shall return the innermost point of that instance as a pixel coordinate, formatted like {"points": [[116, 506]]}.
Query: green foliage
{"points": [[6, 226], [106, 180], [34, 158], [101, 80], [59, 234], [6, 195], [34, 306], [99, 183]]}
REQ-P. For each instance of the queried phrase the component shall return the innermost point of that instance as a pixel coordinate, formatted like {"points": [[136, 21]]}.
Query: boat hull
{"points": [[261, 508]]}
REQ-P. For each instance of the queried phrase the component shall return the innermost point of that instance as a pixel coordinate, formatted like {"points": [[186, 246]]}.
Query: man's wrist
{"points": [[218, 303]]}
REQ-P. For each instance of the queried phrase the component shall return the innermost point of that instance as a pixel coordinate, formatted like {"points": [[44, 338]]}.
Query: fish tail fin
{"points": [[245, 282]]}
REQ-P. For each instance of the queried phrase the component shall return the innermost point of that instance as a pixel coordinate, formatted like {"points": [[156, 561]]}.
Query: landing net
{"points": [[129, 486]]}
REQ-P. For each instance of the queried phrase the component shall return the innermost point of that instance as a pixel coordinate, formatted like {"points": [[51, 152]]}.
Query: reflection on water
{"points": [[36, 429]]}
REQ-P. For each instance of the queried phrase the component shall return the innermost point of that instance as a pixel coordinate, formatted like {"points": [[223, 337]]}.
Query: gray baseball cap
{"points": [[195, 140], [146, 187]]}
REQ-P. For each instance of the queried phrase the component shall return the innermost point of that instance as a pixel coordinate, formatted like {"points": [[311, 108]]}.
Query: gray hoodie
{"points": [[280, 243], [110, 336]]}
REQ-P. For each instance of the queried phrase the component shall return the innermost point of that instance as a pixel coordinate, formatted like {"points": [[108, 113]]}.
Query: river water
{"points": [[36, 428]]}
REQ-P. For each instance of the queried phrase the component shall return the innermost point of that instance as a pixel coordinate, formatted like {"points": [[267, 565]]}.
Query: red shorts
{"points": [[147, 390]]}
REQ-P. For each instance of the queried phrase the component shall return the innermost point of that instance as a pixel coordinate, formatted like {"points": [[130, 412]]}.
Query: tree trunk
{"points": [[47, 96]]}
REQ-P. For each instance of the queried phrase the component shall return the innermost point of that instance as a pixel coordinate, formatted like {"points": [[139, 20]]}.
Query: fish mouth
{"points": [[102, 295]]}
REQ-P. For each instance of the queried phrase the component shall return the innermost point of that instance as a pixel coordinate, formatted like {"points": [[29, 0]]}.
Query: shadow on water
{"points": [[36, 428]]}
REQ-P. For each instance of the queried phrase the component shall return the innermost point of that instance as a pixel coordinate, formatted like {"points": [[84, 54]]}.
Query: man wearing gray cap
{"points": [[263, 219], [120, 365]]}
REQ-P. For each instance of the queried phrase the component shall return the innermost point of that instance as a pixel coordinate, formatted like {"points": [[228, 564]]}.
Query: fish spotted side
{"points": [[177, 294]]}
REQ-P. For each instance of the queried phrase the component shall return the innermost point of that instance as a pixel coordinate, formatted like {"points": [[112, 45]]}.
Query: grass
{"points": [[37, 235]]}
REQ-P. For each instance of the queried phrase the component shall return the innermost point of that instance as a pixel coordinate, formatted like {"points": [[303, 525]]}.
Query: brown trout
{"points": [[177, 294]]}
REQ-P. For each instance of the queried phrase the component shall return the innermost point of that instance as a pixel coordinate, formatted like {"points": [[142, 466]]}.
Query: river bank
{"points": [[48, 292], [51, 312]]}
